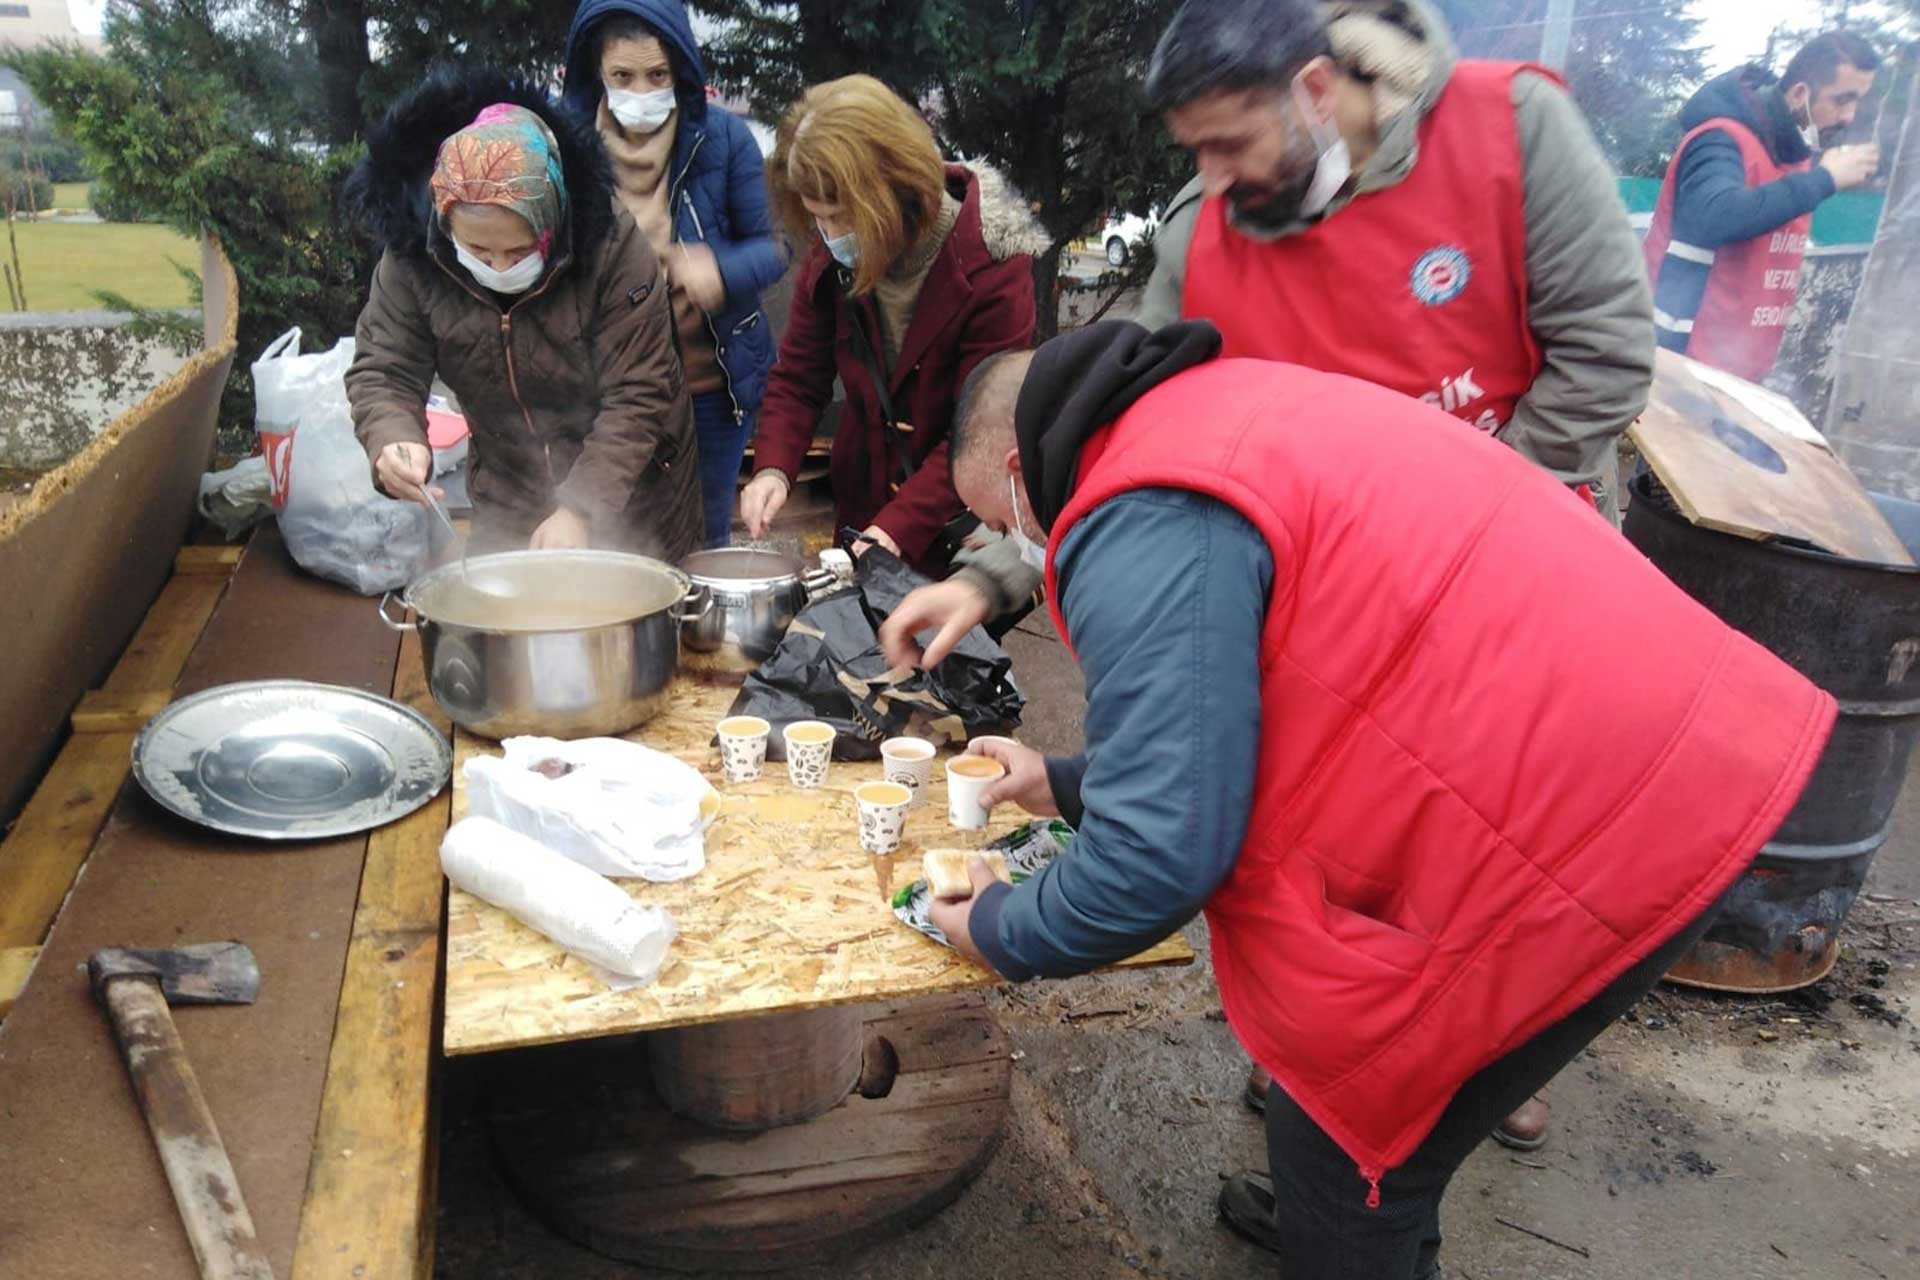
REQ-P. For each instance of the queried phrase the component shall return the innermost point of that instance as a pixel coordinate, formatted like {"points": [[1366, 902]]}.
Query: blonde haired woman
{"points": [[916, 271]]}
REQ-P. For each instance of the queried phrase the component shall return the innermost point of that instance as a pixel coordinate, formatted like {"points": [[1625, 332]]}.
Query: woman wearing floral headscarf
{"points": [[511, 273]]}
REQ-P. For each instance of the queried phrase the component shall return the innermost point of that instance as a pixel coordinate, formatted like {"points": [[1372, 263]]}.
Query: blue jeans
{"points": [[722, 442]]}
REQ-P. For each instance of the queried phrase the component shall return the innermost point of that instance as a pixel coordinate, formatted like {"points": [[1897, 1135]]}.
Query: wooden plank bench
{"points": [[322, 1090], [370, 1187], [45, 849]]}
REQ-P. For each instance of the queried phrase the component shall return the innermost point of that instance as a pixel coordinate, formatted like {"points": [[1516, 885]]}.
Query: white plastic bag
{"points": [[587, 914], [616, 807], [238, 498], [337, 525]]}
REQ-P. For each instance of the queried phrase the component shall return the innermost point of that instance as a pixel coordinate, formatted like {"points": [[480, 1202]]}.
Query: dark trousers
{"points": [[722, 442], [1326, 1231]]}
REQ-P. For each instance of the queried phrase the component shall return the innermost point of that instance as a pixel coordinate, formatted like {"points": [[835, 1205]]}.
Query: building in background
{"points": [[27, 23]]}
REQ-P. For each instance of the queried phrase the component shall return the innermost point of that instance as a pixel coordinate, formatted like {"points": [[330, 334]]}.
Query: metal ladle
{"points": [[499, 588]]}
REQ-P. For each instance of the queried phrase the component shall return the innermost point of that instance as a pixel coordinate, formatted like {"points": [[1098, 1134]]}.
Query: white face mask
{"points": [[845, 249], [1809, 131], [1034, 554], [517, 278], [641, 112], [1335, 165]]}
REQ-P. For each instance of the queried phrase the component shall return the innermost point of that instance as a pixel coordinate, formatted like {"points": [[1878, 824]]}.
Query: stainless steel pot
{"points": [[747, 601], [564, 644]]}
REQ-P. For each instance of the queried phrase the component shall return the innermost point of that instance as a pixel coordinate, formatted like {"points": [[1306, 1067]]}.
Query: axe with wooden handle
{"points": [[136, 987]]}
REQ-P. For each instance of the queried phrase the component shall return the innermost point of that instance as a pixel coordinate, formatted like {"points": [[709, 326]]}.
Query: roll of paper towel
{"points": [[582, 910]]}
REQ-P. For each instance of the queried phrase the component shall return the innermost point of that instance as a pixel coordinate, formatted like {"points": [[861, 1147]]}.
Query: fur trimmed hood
{"points": [[1007, 223], [387, 191], [1402, 47]]}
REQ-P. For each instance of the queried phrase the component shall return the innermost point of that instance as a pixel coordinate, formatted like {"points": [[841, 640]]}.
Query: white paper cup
{"points": [[808, 753], [967, 777], [883, 815], [743, 747], [909, 762]]}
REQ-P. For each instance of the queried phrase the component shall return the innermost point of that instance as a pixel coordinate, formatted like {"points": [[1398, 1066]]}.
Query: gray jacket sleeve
{"points": [[1587, 296], [1160, 303], [996, 571]]}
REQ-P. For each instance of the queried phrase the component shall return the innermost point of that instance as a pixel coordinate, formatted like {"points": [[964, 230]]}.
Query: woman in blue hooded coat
{"points": [[694, 180]]}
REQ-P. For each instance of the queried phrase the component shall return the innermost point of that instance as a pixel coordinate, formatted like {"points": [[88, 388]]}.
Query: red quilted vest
{"points": [[1752, 285], [1421, 286], [1482, 795]]}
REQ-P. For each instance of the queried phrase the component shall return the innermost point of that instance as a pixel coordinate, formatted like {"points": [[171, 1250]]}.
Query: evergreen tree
{"points": [[1047, 91], [242, 118], [1631, 65]]}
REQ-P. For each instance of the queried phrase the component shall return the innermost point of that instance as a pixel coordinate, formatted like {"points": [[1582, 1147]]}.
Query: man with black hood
{"points": [[1438, 850], [1370, 203], [1727, 238]]}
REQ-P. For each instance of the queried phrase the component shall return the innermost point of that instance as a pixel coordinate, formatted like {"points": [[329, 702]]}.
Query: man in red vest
{"points": [[1367, 204], [1731, 227], [1366, 726]]}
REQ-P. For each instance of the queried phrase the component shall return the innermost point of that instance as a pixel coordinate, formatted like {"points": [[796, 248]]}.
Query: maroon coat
{"points": [[977, 300]]}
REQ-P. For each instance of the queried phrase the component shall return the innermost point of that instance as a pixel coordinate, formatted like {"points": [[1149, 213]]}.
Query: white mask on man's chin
{"points": [[1033, 554], [1803, 122], [1335, 163]]}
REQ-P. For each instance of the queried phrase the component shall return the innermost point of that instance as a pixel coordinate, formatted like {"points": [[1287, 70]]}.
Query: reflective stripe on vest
{"points": [[1750, 287]]}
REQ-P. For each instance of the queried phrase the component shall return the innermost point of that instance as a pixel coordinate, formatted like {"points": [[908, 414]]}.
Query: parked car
{"points": [[1124, 233]]}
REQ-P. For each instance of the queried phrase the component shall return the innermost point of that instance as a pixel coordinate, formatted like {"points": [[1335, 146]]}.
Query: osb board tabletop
{"points": [[787, 915]]}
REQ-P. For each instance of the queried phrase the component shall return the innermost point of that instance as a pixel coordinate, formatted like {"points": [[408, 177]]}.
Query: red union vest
{"points": [[1420, 287], [1471, 813], [1752, 285]]}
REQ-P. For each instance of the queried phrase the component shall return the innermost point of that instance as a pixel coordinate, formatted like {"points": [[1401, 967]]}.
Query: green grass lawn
{"points": [[64, 262], [70, 195]]}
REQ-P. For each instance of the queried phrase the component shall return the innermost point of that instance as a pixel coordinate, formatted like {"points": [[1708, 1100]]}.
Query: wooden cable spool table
{"points": [[826, 1075]]}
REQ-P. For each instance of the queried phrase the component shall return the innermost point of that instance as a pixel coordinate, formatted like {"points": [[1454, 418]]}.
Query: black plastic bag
{"points": [[830, 668]]}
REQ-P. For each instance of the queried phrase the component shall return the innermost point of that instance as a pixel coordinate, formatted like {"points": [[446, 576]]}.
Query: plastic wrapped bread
{"points": [[614, 807], [584, 912]]}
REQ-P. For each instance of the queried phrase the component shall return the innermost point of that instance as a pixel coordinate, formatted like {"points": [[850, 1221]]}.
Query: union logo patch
{"points": [[1441, 275]]}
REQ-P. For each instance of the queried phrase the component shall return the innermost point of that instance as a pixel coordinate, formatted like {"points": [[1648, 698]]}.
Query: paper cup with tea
{"points": [[883, 815], [967, 778], [909, 762], [809, 748], [743, 747], [883, 818]]}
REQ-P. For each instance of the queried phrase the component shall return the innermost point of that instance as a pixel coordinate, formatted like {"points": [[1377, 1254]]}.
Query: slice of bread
{"points": [[947, 876]]}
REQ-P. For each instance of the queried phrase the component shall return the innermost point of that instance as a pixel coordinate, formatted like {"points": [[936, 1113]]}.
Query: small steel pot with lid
{"points": [[743, 602]]}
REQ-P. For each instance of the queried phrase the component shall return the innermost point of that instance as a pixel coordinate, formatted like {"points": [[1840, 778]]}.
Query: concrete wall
{"points": [[85, 551], [64, 376]]}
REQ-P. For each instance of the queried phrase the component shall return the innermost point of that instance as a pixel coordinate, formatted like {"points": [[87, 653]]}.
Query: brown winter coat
{"points": [[573, 390]]}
